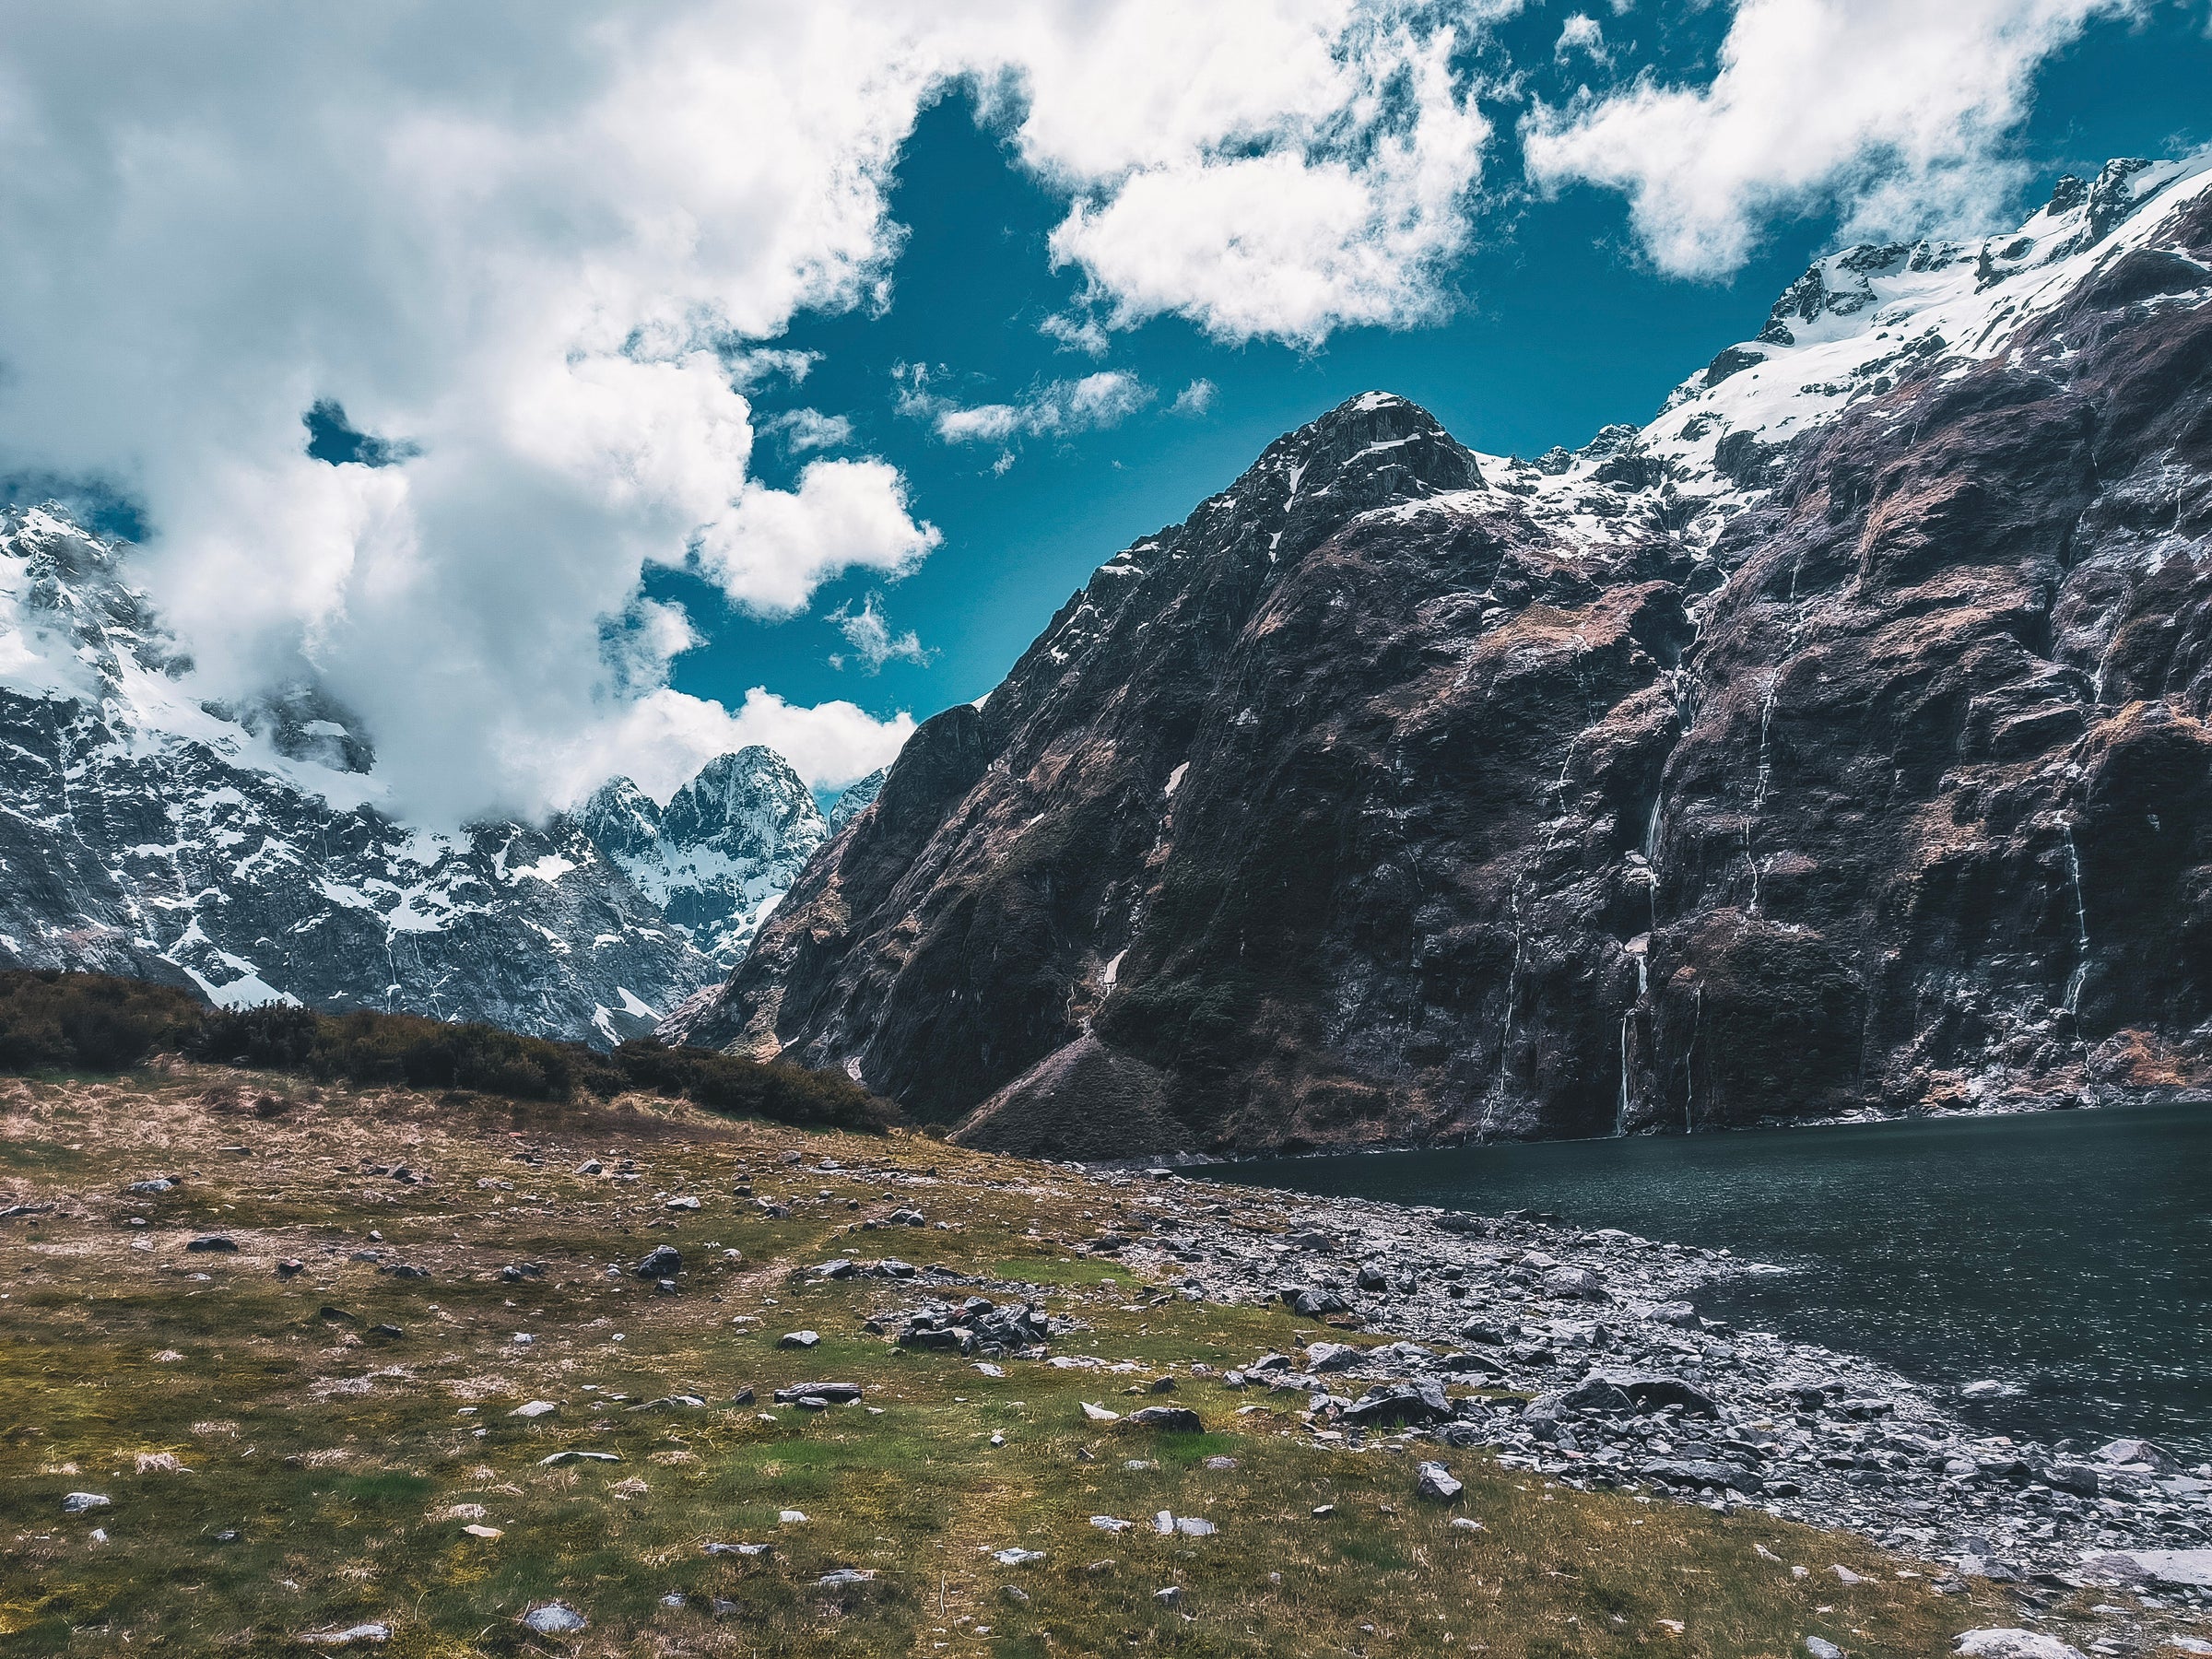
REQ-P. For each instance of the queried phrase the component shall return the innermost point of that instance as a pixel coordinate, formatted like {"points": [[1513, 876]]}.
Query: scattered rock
{"points": [[534, 1409], [1169, 1420], [555, 1618], [211, 1241], [1433, 1480], [2012, 1644], [348, 1636], [797, 1339], [77, 1503], [663, 1261]]}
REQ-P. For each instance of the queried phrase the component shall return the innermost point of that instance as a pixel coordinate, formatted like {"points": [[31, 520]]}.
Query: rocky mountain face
{"points": [[718, 857], [1839, 740], [146, 829]]}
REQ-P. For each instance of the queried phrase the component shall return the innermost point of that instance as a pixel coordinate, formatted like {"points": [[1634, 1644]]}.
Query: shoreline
{"points": [[1575, 1320], [1194, 1163]]}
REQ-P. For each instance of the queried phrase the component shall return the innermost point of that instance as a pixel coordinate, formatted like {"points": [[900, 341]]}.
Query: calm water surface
{"points": [[2068, 1255]]}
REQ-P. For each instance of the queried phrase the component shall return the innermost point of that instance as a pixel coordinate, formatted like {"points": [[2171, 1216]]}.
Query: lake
{"points": [[2066, 1255]]}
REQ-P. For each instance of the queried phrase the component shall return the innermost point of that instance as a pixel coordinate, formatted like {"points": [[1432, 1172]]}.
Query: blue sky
{"points": [[1561, 326], [559, 261]]}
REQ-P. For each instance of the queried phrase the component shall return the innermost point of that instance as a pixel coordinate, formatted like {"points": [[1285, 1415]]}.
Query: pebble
{"points": [[348, 1636], [534, 1409], [555, 1618], [1637, 1389], [797, 1339], [77, 1503]]}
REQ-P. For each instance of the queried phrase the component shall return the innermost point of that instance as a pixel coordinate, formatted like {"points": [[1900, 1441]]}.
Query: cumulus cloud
{"points": [[1058, 408], [662, 740], [869, 635], [1305, 168], [552, 244], [1896, 112]]}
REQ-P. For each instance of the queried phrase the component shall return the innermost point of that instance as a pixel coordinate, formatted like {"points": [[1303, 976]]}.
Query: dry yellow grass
{"points": [[278, 1467]]}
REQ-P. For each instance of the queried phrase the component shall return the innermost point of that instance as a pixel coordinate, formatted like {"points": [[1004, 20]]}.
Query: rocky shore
{"points": [[1627, 1386]]}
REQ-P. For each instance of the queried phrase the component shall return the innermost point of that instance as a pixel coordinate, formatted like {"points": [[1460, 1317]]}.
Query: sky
{"points": [[577, 388]]}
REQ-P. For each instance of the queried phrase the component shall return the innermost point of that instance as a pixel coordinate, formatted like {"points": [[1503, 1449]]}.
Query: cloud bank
{"points": [[552, 244], [544, 251], [1895, 111]]}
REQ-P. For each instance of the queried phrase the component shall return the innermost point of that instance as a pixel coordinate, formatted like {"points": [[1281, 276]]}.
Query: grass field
{"points": [[278, 1466]]}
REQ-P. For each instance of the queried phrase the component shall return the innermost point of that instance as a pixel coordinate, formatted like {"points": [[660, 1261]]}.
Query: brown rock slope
{"points": [[1398, 793]]}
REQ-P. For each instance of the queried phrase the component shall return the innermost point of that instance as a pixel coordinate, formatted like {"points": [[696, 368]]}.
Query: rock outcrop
{"points": [[1838, 741]]}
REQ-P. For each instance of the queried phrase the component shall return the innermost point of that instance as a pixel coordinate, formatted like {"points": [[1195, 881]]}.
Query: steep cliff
{"points": [[1837, 739]]}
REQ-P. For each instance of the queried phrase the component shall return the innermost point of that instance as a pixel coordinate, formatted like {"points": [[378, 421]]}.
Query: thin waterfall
{"points": [[2081, 924], [1621, 1113]]}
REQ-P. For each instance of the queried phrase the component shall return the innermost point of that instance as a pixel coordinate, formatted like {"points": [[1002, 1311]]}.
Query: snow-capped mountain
{"points": [[717, 858], [147, 828], [1839, 738]]}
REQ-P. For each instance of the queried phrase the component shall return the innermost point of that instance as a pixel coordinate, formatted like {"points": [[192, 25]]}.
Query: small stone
{"points": [[211, 1241], [291, 1268], [1468, 1523], [1168, 1420], [1016, 1594], [557, 1458], [1820, 1647], [1845, 1575], [1111, 1523], [1169, 1597], [1016, 1556], [844, 1578], [663, 1261], [791, 1518], [348, 1636], [474, 1530], [534, 1409], [1099, 1414], [555, 1618], [77, 1503], [797, 1339], [1322, 1511], [681, 1205], [1433, 1480]]}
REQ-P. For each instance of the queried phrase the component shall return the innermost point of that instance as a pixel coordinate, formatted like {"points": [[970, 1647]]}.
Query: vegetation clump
{"points": [[55, 1020]]}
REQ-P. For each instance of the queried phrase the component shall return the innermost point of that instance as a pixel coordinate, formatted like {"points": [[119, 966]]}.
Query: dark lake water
{"points": [[2066, 1255]]}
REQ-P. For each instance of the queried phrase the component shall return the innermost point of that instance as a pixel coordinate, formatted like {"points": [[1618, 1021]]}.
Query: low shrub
{"points": [[50, 1018]]}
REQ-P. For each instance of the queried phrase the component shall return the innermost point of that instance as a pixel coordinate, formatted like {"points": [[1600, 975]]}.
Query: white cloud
{"points": [[554, 243], [1307, 167], [1897, 112], [1585, 33], [773, 548], [1194, 399], [1085, 335], [661, 740], [1058, 408], [870, 635], [803, 429]]}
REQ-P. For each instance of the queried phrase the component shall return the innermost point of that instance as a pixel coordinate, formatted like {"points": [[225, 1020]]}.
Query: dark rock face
{"points": [[1827, 745]]}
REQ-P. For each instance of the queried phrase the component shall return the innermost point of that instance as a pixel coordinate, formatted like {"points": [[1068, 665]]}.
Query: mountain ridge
{"points": [[243, 847], [1731, 767]]}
